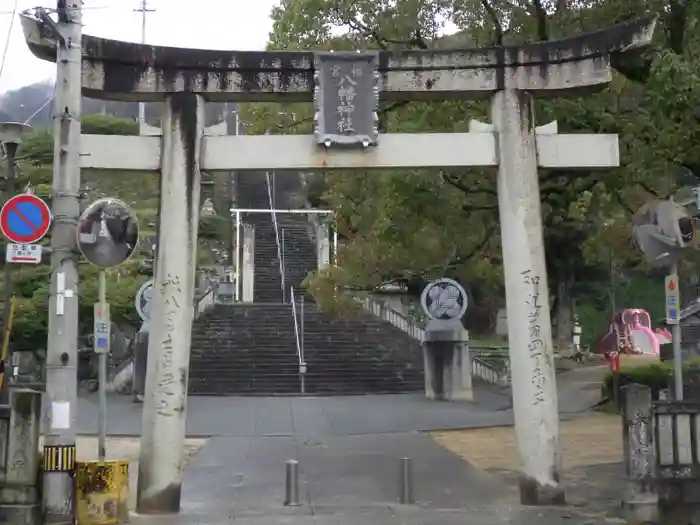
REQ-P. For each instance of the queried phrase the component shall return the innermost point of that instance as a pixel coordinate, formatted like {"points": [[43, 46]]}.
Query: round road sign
{"points": [[143, 300], [444, 299], [108, 233], [25, 219]]}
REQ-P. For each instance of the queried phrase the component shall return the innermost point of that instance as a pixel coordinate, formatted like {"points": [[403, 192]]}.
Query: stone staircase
{"points": [[297, 250], [245, 349], [358, 355], [252, 348]]}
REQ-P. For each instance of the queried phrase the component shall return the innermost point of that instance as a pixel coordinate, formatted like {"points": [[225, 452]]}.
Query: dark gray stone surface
{"points": [[288, 416], [345, 480], [349, 449]]}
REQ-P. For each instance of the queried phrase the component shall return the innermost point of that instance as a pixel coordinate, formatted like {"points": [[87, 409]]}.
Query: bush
{"points": [[213, 227], [657, 376]]}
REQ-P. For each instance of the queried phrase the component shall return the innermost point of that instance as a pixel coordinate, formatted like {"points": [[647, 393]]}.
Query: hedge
{"points": [[657, 376]]}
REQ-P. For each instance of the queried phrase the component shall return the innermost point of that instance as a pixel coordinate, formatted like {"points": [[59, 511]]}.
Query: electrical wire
{"points": [[42, 106], [84, 8], [9, 35]]}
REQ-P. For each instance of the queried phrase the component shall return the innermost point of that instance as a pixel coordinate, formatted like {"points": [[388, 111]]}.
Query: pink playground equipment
{"points": [[630, 332]]}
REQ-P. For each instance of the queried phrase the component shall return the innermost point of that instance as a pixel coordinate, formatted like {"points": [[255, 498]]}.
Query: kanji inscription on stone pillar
{"points": [[346, 97]]}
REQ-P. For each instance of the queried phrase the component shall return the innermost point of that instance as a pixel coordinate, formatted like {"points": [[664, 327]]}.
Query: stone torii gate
{"points": [[510, 76]]}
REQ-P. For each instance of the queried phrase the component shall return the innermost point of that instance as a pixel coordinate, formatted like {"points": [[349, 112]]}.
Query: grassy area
{"points": [[592, 439]]}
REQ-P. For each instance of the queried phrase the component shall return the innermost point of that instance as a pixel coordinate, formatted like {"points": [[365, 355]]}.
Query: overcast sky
{"points": [[206, 24]]}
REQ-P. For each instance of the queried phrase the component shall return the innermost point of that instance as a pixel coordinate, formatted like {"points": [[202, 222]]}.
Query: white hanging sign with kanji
{"points": [[23, 253]]}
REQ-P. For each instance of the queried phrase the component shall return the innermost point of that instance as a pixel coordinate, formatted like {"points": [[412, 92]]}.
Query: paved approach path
{"points": [[294, 416], [349, 449], [343, 415]]}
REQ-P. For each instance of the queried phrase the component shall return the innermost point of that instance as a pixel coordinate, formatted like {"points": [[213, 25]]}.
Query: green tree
{"points": [[652, 107], [31, 284]]}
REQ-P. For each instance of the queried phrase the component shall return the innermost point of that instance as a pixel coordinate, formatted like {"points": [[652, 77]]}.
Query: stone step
{"points": [[253, 352]]}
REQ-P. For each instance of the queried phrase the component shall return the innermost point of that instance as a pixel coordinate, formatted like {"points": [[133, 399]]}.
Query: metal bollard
{"points": [[406, 481], [291, 497]]}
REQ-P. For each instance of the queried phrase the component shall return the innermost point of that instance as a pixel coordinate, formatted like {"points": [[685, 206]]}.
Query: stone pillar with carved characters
{"points": [[170, 327]]}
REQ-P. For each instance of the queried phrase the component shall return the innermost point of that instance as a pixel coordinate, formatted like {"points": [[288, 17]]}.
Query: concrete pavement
{"points": [[289, 416], [349, 449], [345, 480]]}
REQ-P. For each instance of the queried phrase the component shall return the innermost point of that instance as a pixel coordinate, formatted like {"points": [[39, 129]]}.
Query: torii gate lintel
{"points": [[125, 71]]}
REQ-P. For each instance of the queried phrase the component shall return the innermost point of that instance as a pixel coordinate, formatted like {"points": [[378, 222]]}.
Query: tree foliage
{"points": [[31, 284], [412, 226]]}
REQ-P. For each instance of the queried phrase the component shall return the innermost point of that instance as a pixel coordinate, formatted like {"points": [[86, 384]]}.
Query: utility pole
{"points": [[144, 10], [60, 402]]}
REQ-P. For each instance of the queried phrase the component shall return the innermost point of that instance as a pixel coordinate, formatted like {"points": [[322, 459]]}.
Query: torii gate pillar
{"points": [[535, 406], [165, 399]]}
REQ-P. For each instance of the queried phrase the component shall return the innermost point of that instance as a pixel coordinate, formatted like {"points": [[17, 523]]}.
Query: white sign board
{"points": [[102, 332], [23, 253], [672, 299], [143, 300]]}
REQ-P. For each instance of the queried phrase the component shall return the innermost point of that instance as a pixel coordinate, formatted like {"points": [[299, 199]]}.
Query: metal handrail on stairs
{"points": [[280, 255], [204, 302], [299, 334]]}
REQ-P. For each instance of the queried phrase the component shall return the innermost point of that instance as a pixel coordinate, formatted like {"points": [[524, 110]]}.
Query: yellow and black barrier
{"points": [[102, 492], [59, 458]]}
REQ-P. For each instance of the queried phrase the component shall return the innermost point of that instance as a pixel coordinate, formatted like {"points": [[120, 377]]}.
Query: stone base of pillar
{"points": [[21, 514], [163, 502], [638, 510], [534, 494], [640, 501], [20, 502], [448, 371]]}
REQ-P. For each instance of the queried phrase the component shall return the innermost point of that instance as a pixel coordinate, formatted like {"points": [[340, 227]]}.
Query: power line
{"points": [[42, 106], [7, 41], [89, 8]]}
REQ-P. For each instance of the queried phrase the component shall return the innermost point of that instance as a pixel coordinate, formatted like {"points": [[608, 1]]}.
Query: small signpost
{"points": [[663, 230], [672, 299], [23, 253], [102, 328], [107, 235], [25, 219]]}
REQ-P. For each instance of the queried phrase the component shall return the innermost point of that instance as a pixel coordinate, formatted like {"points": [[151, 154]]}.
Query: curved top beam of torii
{"points": [[117, 70]]}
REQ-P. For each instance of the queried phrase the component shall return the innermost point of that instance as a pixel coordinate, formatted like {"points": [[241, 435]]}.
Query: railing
{"points": [[393, 317], [204, 303], [493, 363], [490, 363], [299, 334], [280, 255]]}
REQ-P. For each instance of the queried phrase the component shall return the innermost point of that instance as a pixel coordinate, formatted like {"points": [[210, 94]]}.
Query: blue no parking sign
{"points": [[25, 219]]}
